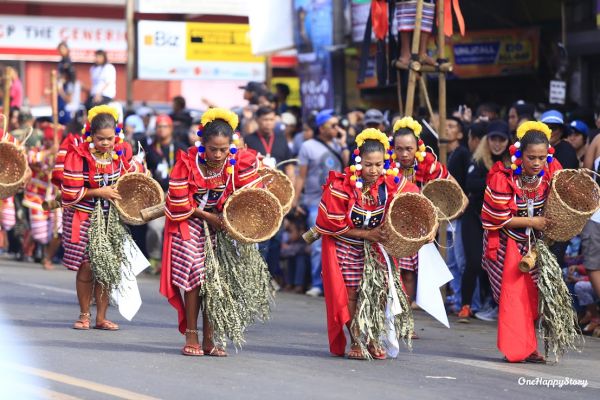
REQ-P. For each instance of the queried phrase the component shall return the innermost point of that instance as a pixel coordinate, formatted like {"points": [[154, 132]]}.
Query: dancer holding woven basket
{"points": [[418, 166], [93, 236], [201, 181], [512, 218], [356, 268]]}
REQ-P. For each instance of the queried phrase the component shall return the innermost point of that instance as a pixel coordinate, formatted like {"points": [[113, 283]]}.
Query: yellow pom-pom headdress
{"points": [[87, 129], [515, 149], [220, 113], [410, 123], [416, 128], [232, 119], [372, 134]]}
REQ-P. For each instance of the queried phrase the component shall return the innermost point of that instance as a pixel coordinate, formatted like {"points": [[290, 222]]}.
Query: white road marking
{"points": [[47, 288]]}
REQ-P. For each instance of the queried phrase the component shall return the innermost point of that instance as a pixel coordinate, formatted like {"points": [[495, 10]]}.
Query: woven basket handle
{"points": [[21, 143], [4, 127]]}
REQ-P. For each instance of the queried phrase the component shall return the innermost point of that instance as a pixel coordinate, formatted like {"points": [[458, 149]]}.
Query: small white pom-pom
{"points": [[358, 159], [513, 159], [518, 145], [397, 170], [359, 185], [197, 143], [424, 154], [235, 136], [92, 145], [358, 167], [121, 136]]}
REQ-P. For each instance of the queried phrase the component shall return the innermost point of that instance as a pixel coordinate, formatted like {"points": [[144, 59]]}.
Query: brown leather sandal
{"points": [[83, 323]]}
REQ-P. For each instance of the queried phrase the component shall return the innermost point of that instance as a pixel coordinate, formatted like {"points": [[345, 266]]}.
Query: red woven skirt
{"points": [[75, 253]]}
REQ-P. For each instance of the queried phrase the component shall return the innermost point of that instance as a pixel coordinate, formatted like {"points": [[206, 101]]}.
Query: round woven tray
{"points": [[138, 191], [410, 222], [280, 185], [252, 215], [573, 198], [13, 169], [447, 196]]}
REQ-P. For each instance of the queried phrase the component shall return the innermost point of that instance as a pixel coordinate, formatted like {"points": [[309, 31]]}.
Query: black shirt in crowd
{"points": [[279, 150], [565, 154], [161, 159], [458, 164]]}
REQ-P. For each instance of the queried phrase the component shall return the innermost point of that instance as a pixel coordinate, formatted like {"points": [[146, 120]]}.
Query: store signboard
{"points": [[220, 7], [494, 52], [36, 38], [194, 50], [558, 92]]}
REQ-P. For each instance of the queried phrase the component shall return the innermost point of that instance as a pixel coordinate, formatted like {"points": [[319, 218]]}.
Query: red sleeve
{"points": [[334, 207], [498, 203], [179, 204], [246, 168], [59, 163], [431, 169], [72, 185]]}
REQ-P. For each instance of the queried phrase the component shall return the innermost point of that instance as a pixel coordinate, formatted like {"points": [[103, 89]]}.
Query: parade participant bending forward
{"points": [[93, 236], [350, 219], [513, 204], [201, 181], [419, 167]]}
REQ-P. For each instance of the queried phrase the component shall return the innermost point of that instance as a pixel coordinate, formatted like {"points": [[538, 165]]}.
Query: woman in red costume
{"points": [[90, 171], [351, 214], [512, 218], [200, 183], [419, 167]]}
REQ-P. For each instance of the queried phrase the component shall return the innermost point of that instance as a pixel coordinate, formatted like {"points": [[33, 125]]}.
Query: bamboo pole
{"points": [[52, 155], [54, 102], [442, 109], [131, 46], [412, 74], [7, 84]]}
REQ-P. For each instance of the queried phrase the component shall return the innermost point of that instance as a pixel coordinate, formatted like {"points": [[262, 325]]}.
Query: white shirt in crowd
{"points": [[104, 75]]}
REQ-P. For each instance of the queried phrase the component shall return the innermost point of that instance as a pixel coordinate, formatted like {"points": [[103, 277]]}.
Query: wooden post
{"points": [[7, 84], [129, 17], [54, 102], [412, 74], [443, 146]]}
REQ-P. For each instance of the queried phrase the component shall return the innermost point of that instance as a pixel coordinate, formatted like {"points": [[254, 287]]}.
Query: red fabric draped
{"points": [[517, 309], [336, 298], [450, 5], [379, 18]]}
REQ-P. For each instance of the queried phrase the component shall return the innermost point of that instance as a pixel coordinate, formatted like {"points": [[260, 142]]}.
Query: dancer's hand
{"points": [[375, 235], [109, 193], [538, 223]]}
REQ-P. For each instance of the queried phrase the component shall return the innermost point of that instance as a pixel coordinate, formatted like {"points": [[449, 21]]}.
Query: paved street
{"points": [[287, 358]]}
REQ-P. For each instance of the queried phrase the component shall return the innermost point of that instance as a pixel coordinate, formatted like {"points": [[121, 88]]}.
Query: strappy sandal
{"points": [[107, 325], [83, 323], [535, 358], [376, 352], [356, 352], [215, 352], [192, 350]]}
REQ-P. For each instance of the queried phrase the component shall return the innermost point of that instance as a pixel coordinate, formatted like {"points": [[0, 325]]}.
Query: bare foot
{"points": [[425, 59], [47, 264]]}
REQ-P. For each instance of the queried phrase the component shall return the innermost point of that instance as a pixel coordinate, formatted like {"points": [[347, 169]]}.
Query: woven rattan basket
{"points": [[410, 222], [13, 169], [447, 196], [138, 192], [573, 198], [252, 215], [280, 185]]}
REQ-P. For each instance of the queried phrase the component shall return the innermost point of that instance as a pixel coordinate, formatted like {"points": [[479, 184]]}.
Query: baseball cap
{"points": [[253, 86], [498, 128], [164, 119], [478, 129], [580, 127], [288, 118], [553, 117], [324, 116], [374, 116]]}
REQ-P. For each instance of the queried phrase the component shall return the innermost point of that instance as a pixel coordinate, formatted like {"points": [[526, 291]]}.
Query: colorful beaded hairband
{"points": [[416, 128], [232, 119], [87, 130], [515, 149], [372, 134]]}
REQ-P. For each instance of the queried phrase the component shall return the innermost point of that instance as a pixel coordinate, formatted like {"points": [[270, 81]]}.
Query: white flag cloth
{"points": [[433, 274], [392, 309], [127, 296]]}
